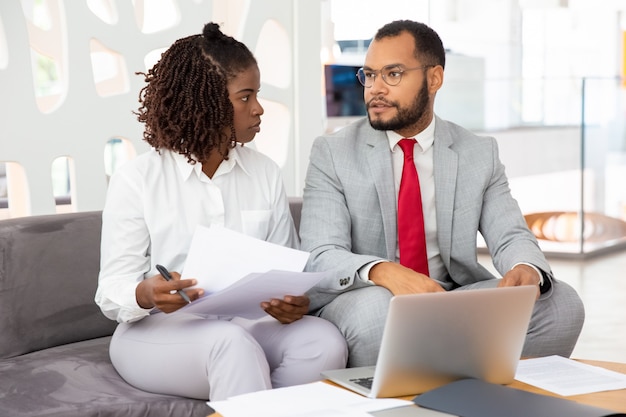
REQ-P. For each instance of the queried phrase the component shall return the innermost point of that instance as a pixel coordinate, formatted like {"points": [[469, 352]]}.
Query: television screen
{"points": [[344, 93]]}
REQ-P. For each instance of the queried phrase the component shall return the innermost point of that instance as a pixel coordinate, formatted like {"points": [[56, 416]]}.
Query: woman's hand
{"points": [[287, 310], [157, 292]]}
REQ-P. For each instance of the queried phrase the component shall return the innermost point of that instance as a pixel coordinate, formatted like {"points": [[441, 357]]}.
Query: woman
{"points": [[199, 103]]}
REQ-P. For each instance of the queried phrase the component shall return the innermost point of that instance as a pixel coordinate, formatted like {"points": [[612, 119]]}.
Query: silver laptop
{"points": [[435, 338]]}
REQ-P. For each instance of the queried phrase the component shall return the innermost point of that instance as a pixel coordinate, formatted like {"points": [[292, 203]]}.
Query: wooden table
{"points": [[612, 400]]}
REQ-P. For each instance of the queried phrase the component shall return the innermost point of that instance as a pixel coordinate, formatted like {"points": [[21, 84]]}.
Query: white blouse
{"points": [[154, 204]]}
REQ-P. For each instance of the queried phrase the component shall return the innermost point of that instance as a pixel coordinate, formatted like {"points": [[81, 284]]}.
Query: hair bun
{"points": [[212, 31]]}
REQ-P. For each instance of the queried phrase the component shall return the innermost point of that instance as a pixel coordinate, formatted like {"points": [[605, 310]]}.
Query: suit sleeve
{"points": [[503, 226], [325, 228]]}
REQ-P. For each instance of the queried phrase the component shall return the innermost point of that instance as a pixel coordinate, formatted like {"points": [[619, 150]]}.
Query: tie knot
{"points": [[407, 146]]}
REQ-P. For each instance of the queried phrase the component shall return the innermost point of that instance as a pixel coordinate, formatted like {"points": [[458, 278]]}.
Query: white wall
{"points": [[285, 36]]}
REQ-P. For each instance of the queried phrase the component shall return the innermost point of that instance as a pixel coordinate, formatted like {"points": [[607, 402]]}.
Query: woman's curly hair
{"points": [[185, 105]]}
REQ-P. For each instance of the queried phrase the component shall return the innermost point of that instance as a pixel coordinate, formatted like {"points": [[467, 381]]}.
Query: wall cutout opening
{"points": [[62, 174], [14, 191], [109, 70], [4, 193], [46, 73], [4, 49], [153, 57], [46, 37], [272, 51], [105, 10], [156, 15]]}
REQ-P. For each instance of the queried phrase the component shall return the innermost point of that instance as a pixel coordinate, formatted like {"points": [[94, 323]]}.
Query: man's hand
{"points": [[402, 280], [287, 310], [157, 292], [521, 275]]}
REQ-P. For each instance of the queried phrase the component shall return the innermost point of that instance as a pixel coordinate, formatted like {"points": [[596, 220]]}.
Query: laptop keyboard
{"points": [[364, 382]]}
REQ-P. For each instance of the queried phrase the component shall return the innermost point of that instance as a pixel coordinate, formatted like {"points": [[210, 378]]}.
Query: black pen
{"points": [[166, 274]]}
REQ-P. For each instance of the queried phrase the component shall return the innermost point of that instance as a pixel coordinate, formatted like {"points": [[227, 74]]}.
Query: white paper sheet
{"points": [[568, 377], [243, 298], [219, 257], [238, 272], [314, 399]]}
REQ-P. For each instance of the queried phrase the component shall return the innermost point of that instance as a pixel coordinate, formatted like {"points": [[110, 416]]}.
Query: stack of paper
{"points": [[238, 272], [565, 376]]}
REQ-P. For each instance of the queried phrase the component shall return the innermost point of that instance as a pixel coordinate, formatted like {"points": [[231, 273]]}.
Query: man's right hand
{"points": [[402, 280]]}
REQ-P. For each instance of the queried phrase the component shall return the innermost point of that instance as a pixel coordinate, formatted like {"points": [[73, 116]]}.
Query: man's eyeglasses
{"points": [[392, 74]]}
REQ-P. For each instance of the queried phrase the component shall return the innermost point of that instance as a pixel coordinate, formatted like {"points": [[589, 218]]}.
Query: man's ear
{"points": [[435, 78]]}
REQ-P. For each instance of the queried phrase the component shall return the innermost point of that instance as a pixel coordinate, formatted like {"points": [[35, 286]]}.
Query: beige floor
{"points": [[601, 283]]}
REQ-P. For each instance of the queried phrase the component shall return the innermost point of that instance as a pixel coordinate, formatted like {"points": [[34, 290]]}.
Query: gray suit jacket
{"points": [[349, 208]]}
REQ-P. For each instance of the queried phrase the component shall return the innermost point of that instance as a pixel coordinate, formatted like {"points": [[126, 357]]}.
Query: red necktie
{"points": [[411, 236]]}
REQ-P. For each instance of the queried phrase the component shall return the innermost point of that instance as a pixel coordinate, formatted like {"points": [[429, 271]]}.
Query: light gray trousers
{"points": [[196, 357], [360, 315]]}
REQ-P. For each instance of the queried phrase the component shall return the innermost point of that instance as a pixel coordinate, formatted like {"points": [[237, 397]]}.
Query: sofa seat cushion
{"points": [[78, 379]]}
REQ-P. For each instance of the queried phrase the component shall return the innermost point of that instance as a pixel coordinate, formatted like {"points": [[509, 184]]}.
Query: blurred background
{"points": [[545, 77]]}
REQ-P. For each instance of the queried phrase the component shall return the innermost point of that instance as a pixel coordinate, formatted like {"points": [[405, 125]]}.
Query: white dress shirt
{"points": [[154, 204], [423, 157]]}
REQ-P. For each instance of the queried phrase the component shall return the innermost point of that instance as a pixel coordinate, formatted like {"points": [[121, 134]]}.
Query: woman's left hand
{"points": [[287, 310]]}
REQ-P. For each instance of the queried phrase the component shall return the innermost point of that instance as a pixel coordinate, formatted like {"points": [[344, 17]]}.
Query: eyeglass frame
{"points": [[384, 77]]}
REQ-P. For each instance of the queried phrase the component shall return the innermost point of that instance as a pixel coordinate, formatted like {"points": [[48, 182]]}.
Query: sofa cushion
{"points": [[78, 380], [48, 277]]}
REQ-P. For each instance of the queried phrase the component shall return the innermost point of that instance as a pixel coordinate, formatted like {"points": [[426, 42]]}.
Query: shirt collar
{"points": [[186, 168], [235, 158], [425, 138]]}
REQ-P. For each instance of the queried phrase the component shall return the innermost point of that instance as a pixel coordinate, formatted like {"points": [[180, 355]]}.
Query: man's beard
{"points": [[406, 117]]}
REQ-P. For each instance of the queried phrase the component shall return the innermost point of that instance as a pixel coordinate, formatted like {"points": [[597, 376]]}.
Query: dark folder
{"points": [[476, 398]]}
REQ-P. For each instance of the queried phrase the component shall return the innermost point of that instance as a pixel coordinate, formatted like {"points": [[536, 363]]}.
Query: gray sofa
{"points": [[54, 341], [54, 358]]}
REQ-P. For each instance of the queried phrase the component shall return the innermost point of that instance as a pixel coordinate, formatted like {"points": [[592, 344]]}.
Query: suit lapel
{"points": [[379, 159], [445, 173]]}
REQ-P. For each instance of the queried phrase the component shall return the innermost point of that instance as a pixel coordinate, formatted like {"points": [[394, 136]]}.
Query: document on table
{"points": [[568, 377], [316, 399], [238, 272]]}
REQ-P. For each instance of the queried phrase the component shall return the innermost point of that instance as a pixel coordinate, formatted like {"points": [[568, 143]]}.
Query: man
{"points": [[354, 224]]}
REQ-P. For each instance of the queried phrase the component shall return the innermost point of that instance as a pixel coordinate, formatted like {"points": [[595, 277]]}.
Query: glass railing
{"points": [[602, 212], [565, 156]]}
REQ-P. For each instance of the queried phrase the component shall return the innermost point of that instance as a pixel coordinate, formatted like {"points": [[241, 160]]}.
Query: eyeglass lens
{"points": [[392, 75]]}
